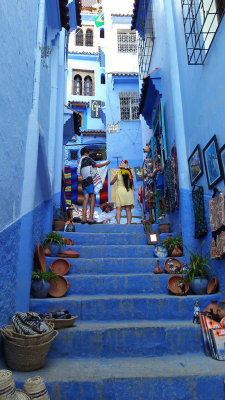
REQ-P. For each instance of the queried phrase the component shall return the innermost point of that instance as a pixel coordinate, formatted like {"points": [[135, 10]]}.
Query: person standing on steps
{"points": [[124, 191], [84, 168]]}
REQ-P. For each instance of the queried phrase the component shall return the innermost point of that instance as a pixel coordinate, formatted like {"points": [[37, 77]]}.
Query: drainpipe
{"points": [[184, 183], [25, 255]]}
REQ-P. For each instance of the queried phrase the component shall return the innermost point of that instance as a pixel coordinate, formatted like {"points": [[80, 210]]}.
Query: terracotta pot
{"points": [[221, 311], [158, 270], [177, 252], [47, 251], [214, 309], [164, 227], [58, 224]]}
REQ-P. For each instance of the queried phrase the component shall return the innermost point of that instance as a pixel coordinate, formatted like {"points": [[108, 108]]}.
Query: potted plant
{"points": [[40, 285], [197, 273], [174, 245], [55, 241]]}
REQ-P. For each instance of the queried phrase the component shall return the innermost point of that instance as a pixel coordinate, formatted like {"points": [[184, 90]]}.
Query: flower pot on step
{"points": [[38, 290], [199, 286], [177, 252]]}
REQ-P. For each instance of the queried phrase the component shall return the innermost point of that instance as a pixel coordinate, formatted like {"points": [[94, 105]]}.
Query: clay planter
{"points": [[39, 291], [158, 270], [164, 227], [177, 252], [47, 251], [199, 286], [213, 286], [58, 224], [221, 311]]}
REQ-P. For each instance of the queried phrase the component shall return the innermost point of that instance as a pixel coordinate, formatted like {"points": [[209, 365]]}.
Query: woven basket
{"points": [[25, 358], [36, 388], [63, 323], [28, 340]]}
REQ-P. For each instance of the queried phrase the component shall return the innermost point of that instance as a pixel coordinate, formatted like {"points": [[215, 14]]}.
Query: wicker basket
{"points": [[25, 358], [36, 388], [63, 323], [28, 340]]}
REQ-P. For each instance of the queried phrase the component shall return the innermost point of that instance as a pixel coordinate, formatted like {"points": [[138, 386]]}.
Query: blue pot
{"points": [[39, 291], [55, 249], [199, 286]]}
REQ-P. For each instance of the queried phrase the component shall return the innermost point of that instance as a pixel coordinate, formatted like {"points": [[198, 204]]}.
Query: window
{"points": [[201, 19], [77, 85], [129, 103], [103, 79], [102, 33], [126, 42], [79, 37], [87, 86], [145, 39], [74, 155], [89, 38]]}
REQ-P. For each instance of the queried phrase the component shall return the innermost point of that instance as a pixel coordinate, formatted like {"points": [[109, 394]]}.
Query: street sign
{"points": [[113, 128]]}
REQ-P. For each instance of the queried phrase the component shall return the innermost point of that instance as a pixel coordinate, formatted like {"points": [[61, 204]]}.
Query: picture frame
{"points": [[195, 165], [212, 162], [138, 173], [222, 158], [153, 237]]}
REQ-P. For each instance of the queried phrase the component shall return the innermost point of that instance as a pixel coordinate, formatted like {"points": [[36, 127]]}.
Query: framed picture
{"points": [[195, 165], [212, 162], [153, 237], [138, 173], [222, 158]]}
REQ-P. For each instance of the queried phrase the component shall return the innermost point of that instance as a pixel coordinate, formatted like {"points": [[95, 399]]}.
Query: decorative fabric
{"points": [[107, 217], [217, 224], [199, 212], [84, 169], [29, 323], [60, 314], [175, 174], [169, 189], [98, 177]]}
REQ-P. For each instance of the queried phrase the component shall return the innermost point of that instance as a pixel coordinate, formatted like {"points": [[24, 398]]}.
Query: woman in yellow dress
{"points": [[124, 191]]}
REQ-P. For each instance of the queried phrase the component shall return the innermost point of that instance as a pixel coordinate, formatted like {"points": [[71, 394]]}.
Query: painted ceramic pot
{"points": [[161, 251], [39, 291], [199, 286], [54, 249]]}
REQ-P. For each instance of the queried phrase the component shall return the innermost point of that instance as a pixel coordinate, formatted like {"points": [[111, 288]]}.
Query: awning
{"points": [[150, 95], [135, 14]]}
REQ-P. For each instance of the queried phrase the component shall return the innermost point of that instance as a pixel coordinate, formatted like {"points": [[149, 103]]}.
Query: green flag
{"points": [[99, 20]]}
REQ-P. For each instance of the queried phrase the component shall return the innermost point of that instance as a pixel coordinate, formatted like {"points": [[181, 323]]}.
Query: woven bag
{"points": [[36, 388]]}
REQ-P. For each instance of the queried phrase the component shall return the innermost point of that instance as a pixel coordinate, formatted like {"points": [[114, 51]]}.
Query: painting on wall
{"points": [[138, 173], [195, 165], [212, 162], [222, 158]]}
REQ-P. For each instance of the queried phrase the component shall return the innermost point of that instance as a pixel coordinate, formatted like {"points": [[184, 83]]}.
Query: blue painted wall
{"points": [[194, 103], [31, 86], [127, 144]]}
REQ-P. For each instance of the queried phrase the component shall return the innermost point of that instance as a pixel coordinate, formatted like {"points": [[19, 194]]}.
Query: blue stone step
{"points": [[106, 228], [122, 339], [88, 238], [117, 251], [184, 377], [125, 307], [117, 284], [112, 265]]}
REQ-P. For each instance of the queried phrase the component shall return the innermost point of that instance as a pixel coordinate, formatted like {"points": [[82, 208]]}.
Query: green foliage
{"points": [[198, 265], [44, 276], [170, 242], [53, 237]]}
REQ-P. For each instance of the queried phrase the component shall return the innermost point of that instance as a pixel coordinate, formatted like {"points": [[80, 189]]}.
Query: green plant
{"points": [[53, 237], [170, 242], [198, 265], [44, 276]]}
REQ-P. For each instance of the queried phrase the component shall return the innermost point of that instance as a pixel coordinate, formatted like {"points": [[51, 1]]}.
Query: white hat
{"points": [[36, 388], [8, 389]]}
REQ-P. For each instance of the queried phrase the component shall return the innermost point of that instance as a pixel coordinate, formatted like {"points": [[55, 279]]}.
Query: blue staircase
{"points": [[133, 340]]}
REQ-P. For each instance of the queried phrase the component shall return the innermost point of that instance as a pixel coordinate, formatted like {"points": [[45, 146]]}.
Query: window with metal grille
{"points": [[146, 38], [77, 85], [126, 42], [89, 38], [87, 86], [129, 102], [79, 37], [201, 20]]}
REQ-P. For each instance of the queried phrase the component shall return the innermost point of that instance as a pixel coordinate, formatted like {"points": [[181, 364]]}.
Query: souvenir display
{"points": [[217, 224], [199, 212], [178, 285], [173, 266], [161, 251]]}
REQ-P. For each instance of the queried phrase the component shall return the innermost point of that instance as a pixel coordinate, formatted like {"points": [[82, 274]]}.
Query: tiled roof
{"points": [[121, 15], [79, 104], [144, 90], [94, 132], [64, 14], [78, 12], [135, 12], [124, 73]]}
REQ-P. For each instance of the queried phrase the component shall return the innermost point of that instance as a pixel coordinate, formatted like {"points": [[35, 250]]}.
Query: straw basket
{"points": [[20, 357], [63, 323], [36, 388], [8, 389], [28, 340]]}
